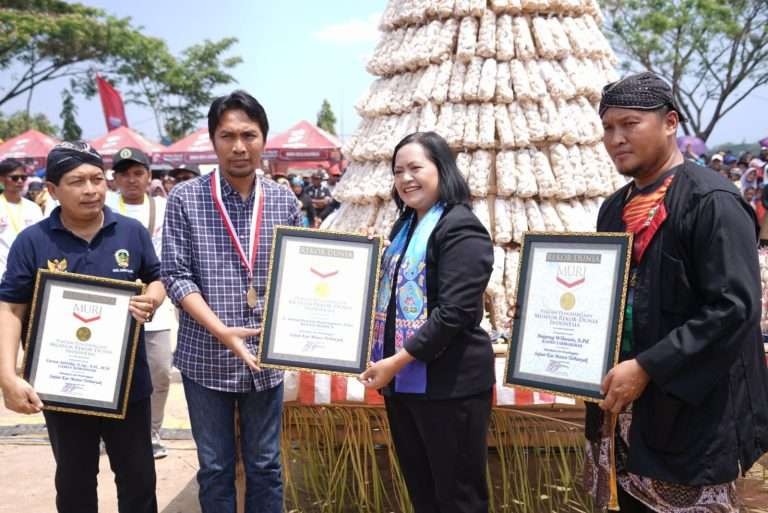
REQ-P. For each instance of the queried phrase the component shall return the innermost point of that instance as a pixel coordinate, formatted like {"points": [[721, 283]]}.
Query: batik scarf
{"points": [[411, 296], [643, 215]]}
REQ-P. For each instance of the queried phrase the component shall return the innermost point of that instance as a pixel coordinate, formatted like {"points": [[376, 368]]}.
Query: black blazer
{"points": [[457, 350]]}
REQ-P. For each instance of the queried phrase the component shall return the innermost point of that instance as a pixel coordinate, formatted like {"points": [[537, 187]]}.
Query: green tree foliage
{"points": [[189, 86], [70, 130], [713, 52], [326, 118], [20, 122], [43, 40]]}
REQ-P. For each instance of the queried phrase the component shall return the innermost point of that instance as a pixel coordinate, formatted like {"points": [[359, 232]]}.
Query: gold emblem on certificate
{"points": [[567, 301], [83, 334]]}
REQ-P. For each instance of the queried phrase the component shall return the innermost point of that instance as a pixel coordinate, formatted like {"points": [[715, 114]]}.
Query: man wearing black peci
{"points": [[83, 236], [691, 387]]}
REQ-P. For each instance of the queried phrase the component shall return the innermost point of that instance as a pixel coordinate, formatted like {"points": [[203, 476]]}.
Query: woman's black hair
{"points": [[237, 100], [452, 188]]}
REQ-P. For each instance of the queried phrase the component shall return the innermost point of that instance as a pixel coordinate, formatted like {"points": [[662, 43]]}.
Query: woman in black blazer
{"points": [[433, 362]]}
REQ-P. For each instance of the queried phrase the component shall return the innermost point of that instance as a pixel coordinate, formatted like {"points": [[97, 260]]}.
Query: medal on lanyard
{"points": [[248, 260]]}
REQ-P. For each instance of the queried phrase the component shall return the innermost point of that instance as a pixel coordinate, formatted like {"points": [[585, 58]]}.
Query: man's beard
{"points": [[631, 172]]}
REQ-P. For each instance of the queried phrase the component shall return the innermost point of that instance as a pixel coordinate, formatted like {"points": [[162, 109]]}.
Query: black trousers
{"points": [[75, 442], [628, 504], [442, 449]]}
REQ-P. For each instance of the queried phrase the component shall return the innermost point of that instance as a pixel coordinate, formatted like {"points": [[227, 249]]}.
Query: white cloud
{"points": [[355, 30]]}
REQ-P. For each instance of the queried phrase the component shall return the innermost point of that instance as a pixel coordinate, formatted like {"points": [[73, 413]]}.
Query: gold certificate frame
{"points": [[320, 301], [571, 296], [81, 343]]}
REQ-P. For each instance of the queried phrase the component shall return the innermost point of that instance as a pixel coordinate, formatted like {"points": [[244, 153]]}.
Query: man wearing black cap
{"points": [[320, 195], [16, 212], [184, 172], [691, 387], [81, 236], [132, 177]]}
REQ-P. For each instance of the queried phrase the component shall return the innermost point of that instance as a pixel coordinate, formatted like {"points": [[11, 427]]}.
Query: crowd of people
{"points": [[314, 191], [684, 410], [746, 171]]}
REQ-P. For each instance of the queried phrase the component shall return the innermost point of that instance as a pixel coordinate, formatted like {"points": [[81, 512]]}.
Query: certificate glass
{"points": [[320, 301], [81, 343], [571, 298]]}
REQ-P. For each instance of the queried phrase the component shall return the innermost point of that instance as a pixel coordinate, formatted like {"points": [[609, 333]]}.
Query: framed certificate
{"points": [[320, 301], [571, 297], [81, 343]]}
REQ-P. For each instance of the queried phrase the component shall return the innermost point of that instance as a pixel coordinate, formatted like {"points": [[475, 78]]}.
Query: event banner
{"points": [[81, 343], [570, 309], [320, 301]]}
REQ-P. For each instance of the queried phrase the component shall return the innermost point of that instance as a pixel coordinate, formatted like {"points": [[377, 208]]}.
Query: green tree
{"points": [[177, 90], [326, 119], [189, 86], [70, 130], [713, 52], [20, 122], [43, 40]]}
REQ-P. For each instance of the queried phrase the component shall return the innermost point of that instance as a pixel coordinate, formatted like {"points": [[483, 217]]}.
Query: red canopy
{"points": [[31, 147], [109, 143], [303, 145], [196, 148]]}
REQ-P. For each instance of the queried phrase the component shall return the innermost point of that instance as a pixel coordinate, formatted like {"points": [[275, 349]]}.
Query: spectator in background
{"points": [[156, 189], [761, 210], [735, 176], [16, 211], [132, 177], [749, 195], [758, 166], [333, 179], [168, 183], [283, 181], [34, 187], [716, 163], [111, 185], [320, 195], [307, 209], [748, 180], [764, 153], [184, 172], [757, 202]]}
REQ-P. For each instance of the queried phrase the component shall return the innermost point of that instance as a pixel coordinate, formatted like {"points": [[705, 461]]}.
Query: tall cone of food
{"points": [[513, 86]]}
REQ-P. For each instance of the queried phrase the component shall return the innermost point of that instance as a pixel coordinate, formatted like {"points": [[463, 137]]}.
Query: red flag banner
{"points": [[112, 103]]}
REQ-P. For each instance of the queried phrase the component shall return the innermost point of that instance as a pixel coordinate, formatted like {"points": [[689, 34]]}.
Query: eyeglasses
{"points": [[17, 178]]}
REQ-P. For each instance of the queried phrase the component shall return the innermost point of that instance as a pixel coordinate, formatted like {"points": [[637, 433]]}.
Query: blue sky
{"points": [[295, 54]]}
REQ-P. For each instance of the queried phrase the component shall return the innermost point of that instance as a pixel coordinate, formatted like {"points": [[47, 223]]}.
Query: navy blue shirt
{"points": [[49, 245]]}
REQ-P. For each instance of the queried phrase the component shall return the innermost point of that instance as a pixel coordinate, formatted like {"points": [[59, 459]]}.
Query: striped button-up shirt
{"points": [[198, 256]]}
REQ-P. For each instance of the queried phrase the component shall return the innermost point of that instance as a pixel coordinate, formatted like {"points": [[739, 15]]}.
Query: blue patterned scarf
{"points": [[411, 301]]}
